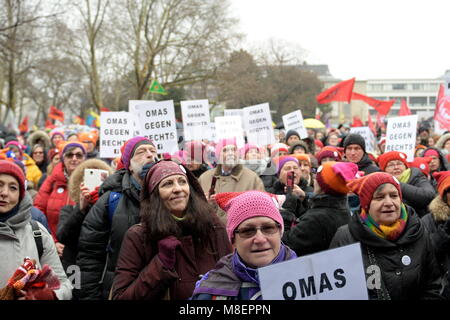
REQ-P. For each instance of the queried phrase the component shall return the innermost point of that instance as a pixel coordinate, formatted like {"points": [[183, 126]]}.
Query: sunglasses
{"points": [[70, 155], [248, 232]]}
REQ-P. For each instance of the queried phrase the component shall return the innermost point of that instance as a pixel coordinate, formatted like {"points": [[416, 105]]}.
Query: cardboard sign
{"points": [[258, 125], [336, 274], [401, 135], [196, 120], [294, 121], [115, 129], [157, 121], [230, 127], [368, 136]]}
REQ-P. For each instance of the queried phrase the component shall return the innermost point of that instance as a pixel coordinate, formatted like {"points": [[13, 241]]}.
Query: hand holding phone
{"points": [[94, 178], [290, 181], [212, 189]]}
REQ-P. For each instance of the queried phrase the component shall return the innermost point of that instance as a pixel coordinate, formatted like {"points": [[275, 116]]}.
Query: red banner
{"points": [[339, 92], [357, 122], [442, 111], [382, 107], [56, 114], [23, 127], [371, 124], [404, 110]]}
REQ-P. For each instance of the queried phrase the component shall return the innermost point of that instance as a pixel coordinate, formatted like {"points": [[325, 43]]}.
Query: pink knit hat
{"points": [[223, 143], [248, 146], [241, 206]]}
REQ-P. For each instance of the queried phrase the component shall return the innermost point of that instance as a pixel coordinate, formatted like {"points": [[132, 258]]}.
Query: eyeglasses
{"points": [[268, 229], [70, 155], [395, 164], [38, 152]]}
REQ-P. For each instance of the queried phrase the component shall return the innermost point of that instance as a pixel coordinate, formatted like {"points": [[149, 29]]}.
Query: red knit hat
{"points": [[162, 170], [318, 143], [333, 177], [443, 181], [241, 206], [365, 187], [422, 163], [52, 153], [12, 169], [385, 158], [329, 152]]}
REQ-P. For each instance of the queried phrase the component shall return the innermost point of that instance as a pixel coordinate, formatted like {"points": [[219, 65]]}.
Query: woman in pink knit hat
{"points": [[255, 228]]}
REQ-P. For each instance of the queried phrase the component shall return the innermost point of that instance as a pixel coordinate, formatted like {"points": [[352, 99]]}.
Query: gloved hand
{"points": [[94, 196], [167, 248], [39, 294]]}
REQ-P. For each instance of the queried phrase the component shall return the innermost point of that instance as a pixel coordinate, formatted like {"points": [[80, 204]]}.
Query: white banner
{"points": [[157, 121], [401, 135], [230, 127], [196, 120], [294, 121], [336, 274], [115, 129], [258, 125], [368, 136]]}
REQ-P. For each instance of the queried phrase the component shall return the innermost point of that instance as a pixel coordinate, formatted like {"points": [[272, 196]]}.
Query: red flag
{"points": [[103, 109], [23, 127], [381, 106], [79, 120], [371, 124], [339, 92], [56, 114], [49, 124], [404, 110], [442, 111], [357, 122]]}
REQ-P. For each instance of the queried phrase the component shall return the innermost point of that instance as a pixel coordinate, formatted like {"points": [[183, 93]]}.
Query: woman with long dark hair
{"points": [[178, 240]]}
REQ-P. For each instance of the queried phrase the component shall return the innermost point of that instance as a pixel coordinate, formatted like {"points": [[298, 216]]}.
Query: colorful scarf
{"points": [[405, 176], [391, 232]]}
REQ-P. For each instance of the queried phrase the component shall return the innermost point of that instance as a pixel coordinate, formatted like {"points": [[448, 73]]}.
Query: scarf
{"points": [[391, 232], [5, 216], [405, 176]]}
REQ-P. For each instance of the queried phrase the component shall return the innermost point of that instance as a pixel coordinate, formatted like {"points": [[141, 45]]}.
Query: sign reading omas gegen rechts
{"points": [[157, 122], [258, 125], [115, 129], [401, 135], [196, 120]]}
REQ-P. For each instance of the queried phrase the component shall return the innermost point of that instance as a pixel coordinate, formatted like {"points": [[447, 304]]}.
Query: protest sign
{"points": [[115, 129], [157, 121], [235, 112], [401, 135], [196, 120], [294, 121], [230, 127], [368, 136], [212, 126], [258, 125], [336, 274]]}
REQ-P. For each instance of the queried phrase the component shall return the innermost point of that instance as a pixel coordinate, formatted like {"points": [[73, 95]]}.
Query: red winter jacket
{"points": [[52, 196]]}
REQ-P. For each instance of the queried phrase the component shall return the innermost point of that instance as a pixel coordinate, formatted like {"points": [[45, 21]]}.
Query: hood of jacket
{"points": [[444, 163], [19, 220], [414, 230], [39, 135], [439, 209], [77, 176], [441, 142]]}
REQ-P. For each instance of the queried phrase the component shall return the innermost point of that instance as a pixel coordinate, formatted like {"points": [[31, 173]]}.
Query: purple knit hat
{"points": [[282, 161], [223, 143], [241, 206], [130, 147], [162, 170], [16, 144], [74, 144]]}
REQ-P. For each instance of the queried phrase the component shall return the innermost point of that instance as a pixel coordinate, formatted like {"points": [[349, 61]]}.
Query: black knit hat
{"points": [[355, 138], [291, 133]]}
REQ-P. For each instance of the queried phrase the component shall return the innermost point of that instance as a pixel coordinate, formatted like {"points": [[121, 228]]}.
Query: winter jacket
{"points": [[293, 203], [100, 239], [434, 222], [418, 192], [409, 270], [17, 242], [315, 229], [141, 275], [441, 142], [38, 216], [52, 196], [366, 165], [269, 175], [444, 166], [203, 168], [33, 172]]}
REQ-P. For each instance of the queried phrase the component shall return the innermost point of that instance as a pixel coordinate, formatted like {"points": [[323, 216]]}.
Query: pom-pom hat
{"points": [[333, 177], [443, 182]]}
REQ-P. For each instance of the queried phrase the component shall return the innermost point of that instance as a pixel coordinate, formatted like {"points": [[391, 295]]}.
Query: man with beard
{"points": [[103, 228], [229, 174]]}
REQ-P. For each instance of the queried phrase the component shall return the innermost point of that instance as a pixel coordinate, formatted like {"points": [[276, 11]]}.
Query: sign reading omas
{"points": [[294, 121], [196, 120], [157, 122], [258, 125], [115, 129], [401, 135]]}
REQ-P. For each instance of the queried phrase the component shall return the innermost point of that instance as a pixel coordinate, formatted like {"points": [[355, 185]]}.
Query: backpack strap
{"points": [[37, 234]]}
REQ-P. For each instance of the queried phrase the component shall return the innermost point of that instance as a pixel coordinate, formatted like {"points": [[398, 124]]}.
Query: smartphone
{"points": [[290, 181], [212, 189], [93, 178]]}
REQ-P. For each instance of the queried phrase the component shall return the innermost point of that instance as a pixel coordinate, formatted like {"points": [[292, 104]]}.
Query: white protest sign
{"points": [[368, 136], [133, 105], [294, 121], [157, 121], [235, 112], [258, 125], [336, 274], [401, 135], [115, 129], [230, 127], [212, 126], [196, 120]]}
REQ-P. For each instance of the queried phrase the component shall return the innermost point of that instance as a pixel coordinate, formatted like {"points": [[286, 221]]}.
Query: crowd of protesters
{"points": [[197, 224]]}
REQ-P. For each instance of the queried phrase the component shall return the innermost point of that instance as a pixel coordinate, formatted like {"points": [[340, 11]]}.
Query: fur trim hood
{"points": [[78, 175], [439, 209], [440, 143], [33, 139]]}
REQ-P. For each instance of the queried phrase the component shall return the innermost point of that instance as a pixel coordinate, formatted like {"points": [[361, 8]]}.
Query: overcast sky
{"points": [[357, 38]]}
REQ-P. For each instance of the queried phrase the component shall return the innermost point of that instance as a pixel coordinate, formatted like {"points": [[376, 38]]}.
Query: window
{"points": [[418, 86], [432, 100], [398, 86], [376, 87], [418, 101]]}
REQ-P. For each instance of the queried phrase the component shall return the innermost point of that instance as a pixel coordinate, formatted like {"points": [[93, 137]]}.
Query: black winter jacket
{"points": [[100, 240], [316, 228], [418, 192], [366, 165], [444, 165], [409, 270], [293, 203]]}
